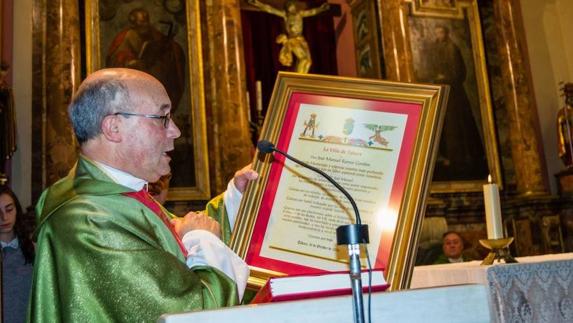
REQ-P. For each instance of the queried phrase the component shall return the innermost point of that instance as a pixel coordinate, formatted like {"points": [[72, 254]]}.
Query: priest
{"points": [[106, 250]]}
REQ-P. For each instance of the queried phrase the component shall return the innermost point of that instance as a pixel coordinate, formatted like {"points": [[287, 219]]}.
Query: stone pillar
{"points": [[396, 41], [524, 132], [225, 87], [56, 68]]}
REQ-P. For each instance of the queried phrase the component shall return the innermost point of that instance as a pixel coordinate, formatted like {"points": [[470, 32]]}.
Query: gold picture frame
{"points": [[350, 114], [166, 44], [474, 139]]}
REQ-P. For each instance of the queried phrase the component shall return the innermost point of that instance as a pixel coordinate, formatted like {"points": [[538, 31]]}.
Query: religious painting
{"points": [[377, 139], [447, 48], [366, 39], [163, 39]]}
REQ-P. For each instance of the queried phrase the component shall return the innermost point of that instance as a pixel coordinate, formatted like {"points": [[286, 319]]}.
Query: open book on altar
{"points": [[295, 287]]}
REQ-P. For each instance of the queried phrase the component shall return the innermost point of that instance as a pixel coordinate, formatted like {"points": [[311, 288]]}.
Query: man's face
{"points": [[147, 141], [453, 246], [141, 23]]}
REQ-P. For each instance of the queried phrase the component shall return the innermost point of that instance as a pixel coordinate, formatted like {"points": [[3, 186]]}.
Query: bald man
{"points": [[107, 251]]}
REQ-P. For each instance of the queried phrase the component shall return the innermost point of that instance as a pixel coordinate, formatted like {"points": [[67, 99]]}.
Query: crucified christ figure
{"points": [[293, 41]]}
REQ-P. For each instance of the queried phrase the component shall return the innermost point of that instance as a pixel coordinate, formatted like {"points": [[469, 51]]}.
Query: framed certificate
{"points": [[376, 138]]}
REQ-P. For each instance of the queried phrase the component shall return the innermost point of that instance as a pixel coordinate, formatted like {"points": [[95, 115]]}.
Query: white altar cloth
{"points": [[467, 272]]}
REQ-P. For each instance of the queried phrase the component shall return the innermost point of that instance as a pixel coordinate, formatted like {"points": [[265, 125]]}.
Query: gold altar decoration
{"points": [[293, 42], [499, 250]]}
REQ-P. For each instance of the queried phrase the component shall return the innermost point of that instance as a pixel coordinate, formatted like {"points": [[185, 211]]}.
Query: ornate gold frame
{"points": [[410, 209], [201, 191], [458, 11]]}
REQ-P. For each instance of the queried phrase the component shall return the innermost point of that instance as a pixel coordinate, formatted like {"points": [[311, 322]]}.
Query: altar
{"points": [[537, 289], [423, 305]]}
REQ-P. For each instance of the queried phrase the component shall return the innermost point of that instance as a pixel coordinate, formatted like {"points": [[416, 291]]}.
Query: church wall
{"points": [[549, 31]]}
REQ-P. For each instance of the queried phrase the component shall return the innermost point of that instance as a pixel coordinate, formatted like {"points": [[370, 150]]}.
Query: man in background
{"points": [[453, 246]]}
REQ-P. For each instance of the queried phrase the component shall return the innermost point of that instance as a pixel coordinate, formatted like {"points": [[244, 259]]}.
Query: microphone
{"points": [[265, 146], [352, 235]]}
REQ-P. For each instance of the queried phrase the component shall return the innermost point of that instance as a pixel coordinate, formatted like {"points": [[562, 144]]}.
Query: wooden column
{"points": [[56, 68], [227, 124], [524, 133], [396, 41]]}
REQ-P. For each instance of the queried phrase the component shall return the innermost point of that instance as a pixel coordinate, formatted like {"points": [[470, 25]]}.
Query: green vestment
{"points": [[105, 257]]}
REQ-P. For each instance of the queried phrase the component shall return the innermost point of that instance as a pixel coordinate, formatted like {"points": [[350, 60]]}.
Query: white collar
{"points": [[121, 177], [12, 244], [456, 260]]}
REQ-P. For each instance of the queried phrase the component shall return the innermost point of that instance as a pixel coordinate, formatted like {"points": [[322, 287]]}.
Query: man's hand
{"points": [[196, 221], [244, 176]]}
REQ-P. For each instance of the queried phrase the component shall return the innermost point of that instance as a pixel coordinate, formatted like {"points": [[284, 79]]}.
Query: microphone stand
{"points": [[351, 235]]}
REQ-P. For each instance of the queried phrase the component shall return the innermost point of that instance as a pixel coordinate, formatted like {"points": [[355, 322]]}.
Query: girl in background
{"points": [[17, 257]]}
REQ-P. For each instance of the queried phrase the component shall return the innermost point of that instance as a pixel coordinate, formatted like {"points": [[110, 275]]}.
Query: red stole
{"points": [[146, 199]]}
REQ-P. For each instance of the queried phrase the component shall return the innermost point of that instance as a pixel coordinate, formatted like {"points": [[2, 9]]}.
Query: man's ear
{"points": [[110, 128]]}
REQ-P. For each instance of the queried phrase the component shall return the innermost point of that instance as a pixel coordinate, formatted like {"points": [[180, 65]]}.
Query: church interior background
{"points": [[515, 54]]}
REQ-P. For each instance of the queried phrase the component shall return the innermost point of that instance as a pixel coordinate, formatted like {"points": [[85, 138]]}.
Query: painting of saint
{"points": [[442, 53], [151, 36]]}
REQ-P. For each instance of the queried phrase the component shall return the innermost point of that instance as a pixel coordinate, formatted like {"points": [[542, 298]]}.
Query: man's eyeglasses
{"points": [[164, 119]]}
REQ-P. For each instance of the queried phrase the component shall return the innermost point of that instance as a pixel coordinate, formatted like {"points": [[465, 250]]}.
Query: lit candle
{"points": [[492, 210], [259, 95]]}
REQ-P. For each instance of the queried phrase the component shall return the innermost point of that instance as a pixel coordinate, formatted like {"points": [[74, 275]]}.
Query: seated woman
{"points": [[17, 257]]}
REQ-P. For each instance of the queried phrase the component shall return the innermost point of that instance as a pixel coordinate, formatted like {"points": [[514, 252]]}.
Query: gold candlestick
{"points": [[498, 250]]}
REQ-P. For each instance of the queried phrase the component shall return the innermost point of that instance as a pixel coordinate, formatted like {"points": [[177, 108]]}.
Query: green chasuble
{"points": [[102, 256]]}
